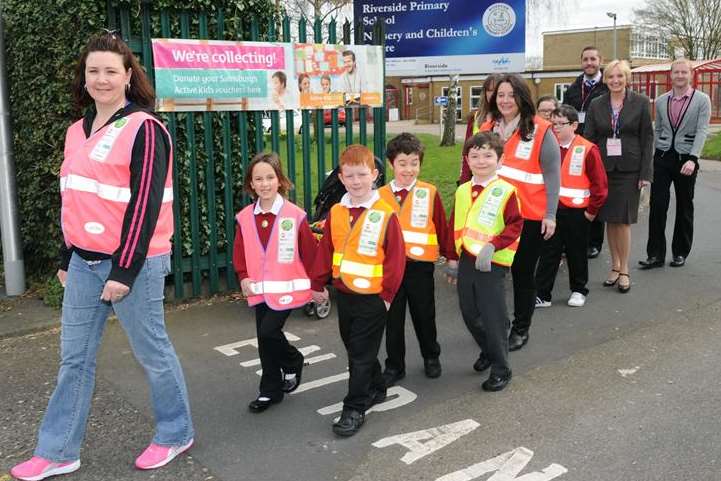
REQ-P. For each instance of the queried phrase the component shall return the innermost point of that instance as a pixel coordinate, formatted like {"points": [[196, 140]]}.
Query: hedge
{"points": [[43, 39]]}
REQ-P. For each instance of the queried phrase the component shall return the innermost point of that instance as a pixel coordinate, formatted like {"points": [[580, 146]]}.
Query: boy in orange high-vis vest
{"points": [[584, 187], [485, 227], [362, 248], [423, 221]]}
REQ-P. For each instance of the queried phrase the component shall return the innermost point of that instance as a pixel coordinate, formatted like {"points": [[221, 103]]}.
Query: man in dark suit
{"points": [[682, 118], [585, 88]]}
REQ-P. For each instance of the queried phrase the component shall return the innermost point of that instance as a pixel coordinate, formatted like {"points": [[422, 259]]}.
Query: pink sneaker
{"points": [[37, 468], [156, 456]]}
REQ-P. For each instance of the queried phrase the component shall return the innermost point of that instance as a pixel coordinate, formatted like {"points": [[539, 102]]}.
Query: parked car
{"points": [[328, 118]]}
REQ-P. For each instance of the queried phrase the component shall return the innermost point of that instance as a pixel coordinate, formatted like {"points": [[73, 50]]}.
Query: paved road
{"points": [[626, 388]]}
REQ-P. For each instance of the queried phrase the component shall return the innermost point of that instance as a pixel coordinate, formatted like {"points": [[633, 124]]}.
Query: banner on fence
{"points": [[214, 75], [425, 37]]}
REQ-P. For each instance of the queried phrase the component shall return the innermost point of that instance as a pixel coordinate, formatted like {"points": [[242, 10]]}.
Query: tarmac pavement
{"points": [[626, 388]]}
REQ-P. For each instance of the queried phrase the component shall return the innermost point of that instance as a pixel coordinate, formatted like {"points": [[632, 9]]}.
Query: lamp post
{"points": [[613, 16]]}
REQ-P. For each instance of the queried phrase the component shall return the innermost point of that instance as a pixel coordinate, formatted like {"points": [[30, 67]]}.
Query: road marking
{"points": [[506, 467], [303, 350], [628, 372], [440, 437], [232, 348], [401, 397], [307, 386]]}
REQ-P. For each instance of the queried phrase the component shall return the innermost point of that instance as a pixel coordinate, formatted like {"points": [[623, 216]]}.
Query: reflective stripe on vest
{"points": [[416, 218], [522, 168], [575, 184], [277, 274], [95, 188], [358, 253], [477, 222]]}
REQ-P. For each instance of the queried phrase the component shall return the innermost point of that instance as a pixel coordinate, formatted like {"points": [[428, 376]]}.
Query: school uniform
{"points": [[481, 295], [362, 248], [423, 222], [276, 256], [583, 189]]}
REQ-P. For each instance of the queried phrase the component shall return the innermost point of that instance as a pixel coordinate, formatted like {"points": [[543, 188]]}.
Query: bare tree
{"points": [[449, 116], [692, 25], [311, 9]]}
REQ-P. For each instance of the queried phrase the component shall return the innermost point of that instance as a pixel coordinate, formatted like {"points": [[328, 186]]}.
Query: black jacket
{"points": [[574, 97], [636, 134]]}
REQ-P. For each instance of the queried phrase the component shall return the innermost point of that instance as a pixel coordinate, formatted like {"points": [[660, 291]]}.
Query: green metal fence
{"points": [[213, 149]]}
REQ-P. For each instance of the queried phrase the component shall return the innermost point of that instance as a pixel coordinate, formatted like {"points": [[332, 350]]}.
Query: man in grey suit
{"points": [[682, 118]]}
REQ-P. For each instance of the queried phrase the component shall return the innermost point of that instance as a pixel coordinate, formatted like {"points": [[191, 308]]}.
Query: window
{"points": [[476, 93], [559, 90], [645, 45], [409, 95], [459, 103]]}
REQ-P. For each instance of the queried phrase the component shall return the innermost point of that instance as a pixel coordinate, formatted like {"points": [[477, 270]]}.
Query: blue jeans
{"points": [[83, 321]]}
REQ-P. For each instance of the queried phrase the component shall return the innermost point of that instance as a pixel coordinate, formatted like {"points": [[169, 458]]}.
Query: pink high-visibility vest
{"points": [[280, 279], [95, 188]]}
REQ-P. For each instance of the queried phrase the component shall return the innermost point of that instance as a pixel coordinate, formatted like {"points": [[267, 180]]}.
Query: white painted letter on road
{"points": [[506, 467], [439, 437]]}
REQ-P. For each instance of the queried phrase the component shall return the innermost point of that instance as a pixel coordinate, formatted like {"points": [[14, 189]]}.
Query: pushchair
{"points": [[331, 192]]}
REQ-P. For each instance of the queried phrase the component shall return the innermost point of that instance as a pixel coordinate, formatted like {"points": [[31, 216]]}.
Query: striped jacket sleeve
{"points": [[148, 170]]}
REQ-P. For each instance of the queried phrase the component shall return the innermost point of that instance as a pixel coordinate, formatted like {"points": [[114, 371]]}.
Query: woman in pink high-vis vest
{"points": [[272, 254], [116, 188]]}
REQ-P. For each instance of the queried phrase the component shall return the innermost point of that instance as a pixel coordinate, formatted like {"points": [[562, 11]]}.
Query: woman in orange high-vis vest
{"points": [[116, 188], [532, 163], [272, 254]]}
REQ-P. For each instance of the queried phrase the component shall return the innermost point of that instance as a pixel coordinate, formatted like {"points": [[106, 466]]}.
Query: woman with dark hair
{"points": [[304, 83], [117, 220], [532, 163], [476, 118]]}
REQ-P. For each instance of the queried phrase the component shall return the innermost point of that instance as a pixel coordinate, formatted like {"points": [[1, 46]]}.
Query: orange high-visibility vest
{"points": [[575, 184], [280, 279], [95, 187], [522, 168], [358, 252], [416, 218], [477, 222]]}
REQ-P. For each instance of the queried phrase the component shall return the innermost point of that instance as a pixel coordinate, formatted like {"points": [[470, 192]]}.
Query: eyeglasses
{"points": [[558, 125]]}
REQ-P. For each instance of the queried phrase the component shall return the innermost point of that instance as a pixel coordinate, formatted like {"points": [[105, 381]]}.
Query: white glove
{"points": [[483, 259]]}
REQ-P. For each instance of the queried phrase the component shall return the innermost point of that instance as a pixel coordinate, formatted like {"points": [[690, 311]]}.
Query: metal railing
{"points": [[213, 149]]}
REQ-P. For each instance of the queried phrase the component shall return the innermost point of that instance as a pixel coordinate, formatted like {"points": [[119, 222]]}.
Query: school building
{"points": [[561, 65]]}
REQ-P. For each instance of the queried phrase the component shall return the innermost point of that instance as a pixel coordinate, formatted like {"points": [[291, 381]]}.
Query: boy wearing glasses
{"points": [[583, 191]]}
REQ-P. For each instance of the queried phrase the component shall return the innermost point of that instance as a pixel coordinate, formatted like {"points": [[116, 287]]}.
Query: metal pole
{"points": [[615, 38], [11, 245]]}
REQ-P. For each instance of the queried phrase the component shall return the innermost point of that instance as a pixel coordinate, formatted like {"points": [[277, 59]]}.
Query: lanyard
{"points": [[616, 117], [584, 94], [684, 107]]}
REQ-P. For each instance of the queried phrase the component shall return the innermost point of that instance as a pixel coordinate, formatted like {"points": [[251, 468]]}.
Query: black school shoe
{"points": [[290, 385], [497, 382], [482, 363], [258, 406], [432, 367], [349, 423], [392, 376]]}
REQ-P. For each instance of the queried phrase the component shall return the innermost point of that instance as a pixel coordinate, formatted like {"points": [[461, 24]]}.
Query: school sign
{"points": [[450, 37]]}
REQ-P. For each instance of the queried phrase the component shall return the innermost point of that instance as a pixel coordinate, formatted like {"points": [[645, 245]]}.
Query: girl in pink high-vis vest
{"points": [[272, 254]]}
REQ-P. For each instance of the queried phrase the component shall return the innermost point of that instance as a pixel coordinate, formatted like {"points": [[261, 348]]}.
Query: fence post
{"points": [[289, 126], [348, 110], [305, 138], [334, 140]]}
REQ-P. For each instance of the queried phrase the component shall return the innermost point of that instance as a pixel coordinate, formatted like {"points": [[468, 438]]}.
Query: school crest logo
{"points": [[286, 224], [119, 124], [499, 19], [421, 193], [374, 217], [497, 192], [579, 149]]}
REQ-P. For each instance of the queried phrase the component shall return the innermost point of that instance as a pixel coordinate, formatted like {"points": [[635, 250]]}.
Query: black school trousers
{"points": [[277, 355], [362, 320], [524, 275], [482, 298], [418, 292], [571, 237], [667, 171]]}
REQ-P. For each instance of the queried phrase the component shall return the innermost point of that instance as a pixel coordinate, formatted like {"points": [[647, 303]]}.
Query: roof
{"points": [[714, 64], [588, 29]]}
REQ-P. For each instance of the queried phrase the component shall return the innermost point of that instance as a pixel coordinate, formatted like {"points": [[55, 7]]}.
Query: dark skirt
{"points": [[621, 206]]}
